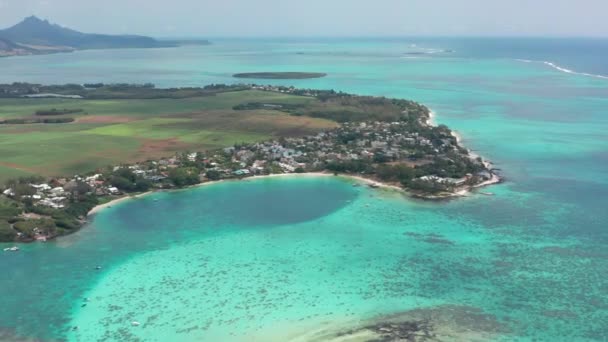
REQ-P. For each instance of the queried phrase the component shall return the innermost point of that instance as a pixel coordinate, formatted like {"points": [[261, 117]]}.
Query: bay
{"points": [[219, 263]]}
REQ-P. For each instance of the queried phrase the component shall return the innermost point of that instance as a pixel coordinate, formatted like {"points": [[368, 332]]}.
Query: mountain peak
{"points": [[35, 31], [34, 20]]}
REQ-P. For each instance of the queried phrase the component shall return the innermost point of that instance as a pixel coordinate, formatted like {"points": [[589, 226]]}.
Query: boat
{"points": [[487, 193], [135, 323], [12, 249]]}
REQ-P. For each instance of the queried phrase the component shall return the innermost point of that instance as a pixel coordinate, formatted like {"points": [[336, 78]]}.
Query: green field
{"points": [[115, 131]]}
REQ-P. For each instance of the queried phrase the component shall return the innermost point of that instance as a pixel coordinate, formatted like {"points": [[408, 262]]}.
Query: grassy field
{"points": [[113, 131]]}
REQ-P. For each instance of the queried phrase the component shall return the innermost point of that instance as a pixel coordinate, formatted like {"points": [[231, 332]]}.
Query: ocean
{"points": [[303, 258]]}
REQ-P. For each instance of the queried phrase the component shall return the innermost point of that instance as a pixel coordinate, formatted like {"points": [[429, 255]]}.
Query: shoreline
{"points": [[370, 182], [495, 179], [100, 207], [463, 192], [366, 181]]}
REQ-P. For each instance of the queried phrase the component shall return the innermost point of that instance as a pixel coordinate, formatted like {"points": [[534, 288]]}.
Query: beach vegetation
{"points": [[184, 176]]}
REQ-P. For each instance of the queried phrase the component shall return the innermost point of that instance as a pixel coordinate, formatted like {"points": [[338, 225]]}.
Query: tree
{"points": [[6, 232], [396, 173], [183, 176], [213, 175], [122, 183], [142, 185]]}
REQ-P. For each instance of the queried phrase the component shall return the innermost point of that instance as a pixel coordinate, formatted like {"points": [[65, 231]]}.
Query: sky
{"points": [[332, 18]]}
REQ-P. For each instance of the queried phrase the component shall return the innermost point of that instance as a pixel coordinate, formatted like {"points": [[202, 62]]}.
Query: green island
{"points": [[119, 140], [280, 75]]}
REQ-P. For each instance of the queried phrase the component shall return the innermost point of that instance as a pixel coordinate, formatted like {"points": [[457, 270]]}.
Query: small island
{"points": [[280, 75], [381, 141]]}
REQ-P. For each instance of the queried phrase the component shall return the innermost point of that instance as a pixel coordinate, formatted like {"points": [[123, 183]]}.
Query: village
{"points": [[425, 162]]}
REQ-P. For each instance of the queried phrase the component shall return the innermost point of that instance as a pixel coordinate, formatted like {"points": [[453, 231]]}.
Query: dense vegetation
{"points": [[341, 107], [26, 121], [56, 111], [38, 220], [114, 91]]}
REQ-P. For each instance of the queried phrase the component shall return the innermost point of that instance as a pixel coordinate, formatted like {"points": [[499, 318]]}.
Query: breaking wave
{"points": [[562, 69]]}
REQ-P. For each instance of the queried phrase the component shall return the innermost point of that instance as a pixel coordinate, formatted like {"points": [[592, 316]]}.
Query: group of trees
{"points": [[34, 121], [55, 111], [396, 173], [126, 180], [350, 166], [114, 91], [52, 221], [453, 165], [9, 210], [184, 176]]}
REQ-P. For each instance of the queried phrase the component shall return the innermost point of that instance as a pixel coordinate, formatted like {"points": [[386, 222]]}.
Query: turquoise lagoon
{"points": [[289, 258]]}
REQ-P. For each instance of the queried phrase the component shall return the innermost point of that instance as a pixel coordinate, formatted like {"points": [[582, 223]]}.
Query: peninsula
{"points": [[34, 36], [283, 130]]}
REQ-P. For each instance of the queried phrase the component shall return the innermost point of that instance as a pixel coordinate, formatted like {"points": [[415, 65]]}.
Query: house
{"points": [[379, 144], [113, 190], [58, 191], [192, 156], [156, 178], [242, 172], [41, 187], [457, 181], [432, 178], [244, 155], [92, 178], [286, 167]]}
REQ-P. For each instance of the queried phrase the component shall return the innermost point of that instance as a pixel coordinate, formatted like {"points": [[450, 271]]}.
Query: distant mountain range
{"points": [[37, 36]]}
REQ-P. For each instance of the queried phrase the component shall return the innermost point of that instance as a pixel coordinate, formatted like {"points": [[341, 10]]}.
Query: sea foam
{"points": [[562, 69]]}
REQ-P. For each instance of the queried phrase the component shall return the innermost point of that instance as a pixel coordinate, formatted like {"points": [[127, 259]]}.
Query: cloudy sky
{"points": [[319, 17]]}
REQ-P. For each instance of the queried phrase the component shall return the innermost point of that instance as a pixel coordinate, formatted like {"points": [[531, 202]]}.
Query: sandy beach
{"points": [[372, 183], [100, 207], [360, 179]]}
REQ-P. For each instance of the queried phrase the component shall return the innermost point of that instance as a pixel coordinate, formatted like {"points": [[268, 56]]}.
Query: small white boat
{"points": [[12, 249], [135, 323]]}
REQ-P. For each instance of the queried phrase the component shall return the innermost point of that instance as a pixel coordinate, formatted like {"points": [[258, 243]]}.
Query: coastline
{"points": [[495, 179], [366, 181], [100, 207], [465, 191]]}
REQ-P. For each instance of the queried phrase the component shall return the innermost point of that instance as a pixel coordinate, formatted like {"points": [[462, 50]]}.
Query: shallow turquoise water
{"points": [[273, 258]]}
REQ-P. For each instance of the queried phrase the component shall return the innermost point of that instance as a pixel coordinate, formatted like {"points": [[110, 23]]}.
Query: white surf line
{"points": [[562, 69]]}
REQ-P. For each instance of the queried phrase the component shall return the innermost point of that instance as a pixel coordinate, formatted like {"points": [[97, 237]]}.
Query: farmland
{"points": [[113, 131]]}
